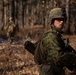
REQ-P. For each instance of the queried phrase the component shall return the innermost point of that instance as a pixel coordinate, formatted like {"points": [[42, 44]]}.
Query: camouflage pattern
{"points": [[10, 30], [57, 13], [52, 55], [47, 53]]}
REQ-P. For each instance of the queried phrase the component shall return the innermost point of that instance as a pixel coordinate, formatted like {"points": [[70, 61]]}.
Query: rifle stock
{"points": [[71, 49]]}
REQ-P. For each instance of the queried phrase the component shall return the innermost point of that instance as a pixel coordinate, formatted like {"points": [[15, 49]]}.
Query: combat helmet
{"points": [[57, 13]]}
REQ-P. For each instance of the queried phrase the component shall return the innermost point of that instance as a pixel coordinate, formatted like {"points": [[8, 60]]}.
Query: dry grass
{"points": [[15, 60]]}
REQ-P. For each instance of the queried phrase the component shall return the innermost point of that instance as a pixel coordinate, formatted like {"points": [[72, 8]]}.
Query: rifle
{"points": [[68, 47], [29, 46]]}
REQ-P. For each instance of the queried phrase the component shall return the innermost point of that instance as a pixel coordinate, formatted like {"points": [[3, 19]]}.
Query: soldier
{"points": [[52, 54], [10, 30]]}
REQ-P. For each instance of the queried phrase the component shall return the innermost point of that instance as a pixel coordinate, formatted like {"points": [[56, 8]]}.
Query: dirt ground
{"points": [[15, 60]]}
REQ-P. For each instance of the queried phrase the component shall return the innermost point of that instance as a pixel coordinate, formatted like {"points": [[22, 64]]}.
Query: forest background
{"points": [[31, 18], [35, 13]]}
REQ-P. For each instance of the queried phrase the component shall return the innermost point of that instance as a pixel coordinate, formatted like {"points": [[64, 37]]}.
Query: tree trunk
{"points": [[2, 14], [13, 10], [68, 17], [23, 9], [27, 20]]}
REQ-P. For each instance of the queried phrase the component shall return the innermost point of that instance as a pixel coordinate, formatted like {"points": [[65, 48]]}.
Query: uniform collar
{"points": [[54, 30]]}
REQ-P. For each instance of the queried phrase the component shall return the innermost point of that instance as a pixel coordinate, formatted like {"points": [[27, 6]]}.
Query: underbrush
{"points": [[27, 32], [15, 60]]}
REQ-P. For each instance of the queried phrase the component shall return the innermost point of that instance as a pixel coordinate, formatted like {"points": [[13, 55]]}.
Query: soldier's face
{"points": [[59, 23]]}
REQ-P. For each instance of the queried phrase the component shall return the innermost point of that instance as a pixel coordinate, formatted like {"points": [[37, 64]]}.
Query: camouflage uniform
{"points": [[51, 54], [10, 30]]}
